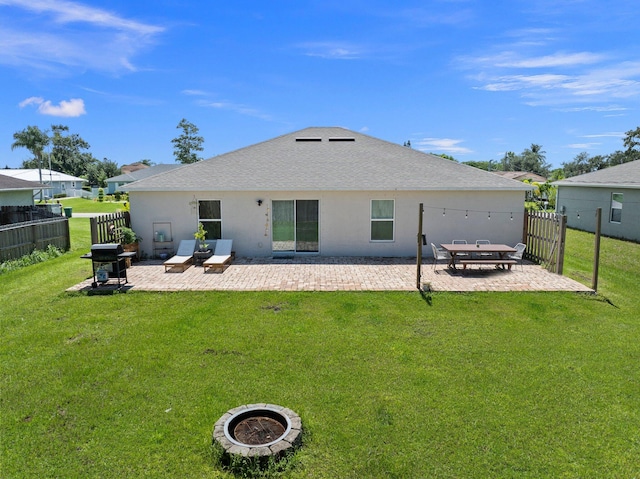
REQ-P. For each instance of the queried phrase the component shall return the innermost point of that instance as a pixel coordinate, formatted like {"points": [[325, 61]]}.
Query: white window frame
{"points": [[392, 220], [204, 221], [614, 207]]}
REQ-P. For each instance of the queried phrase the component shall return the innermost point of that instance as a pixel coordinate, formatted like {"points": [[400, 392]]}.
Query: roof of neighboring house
{"points": [[33, 174], [9, 183], [325, 159], [142, 173], [521, 176], [626, 175], [133, 167]]}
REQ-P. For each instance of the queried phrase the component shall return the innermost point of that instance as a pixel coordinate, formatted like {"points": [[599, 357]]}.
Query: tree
{"points": [[67, 155], [185, 146], [632, 142], [35, 140]]}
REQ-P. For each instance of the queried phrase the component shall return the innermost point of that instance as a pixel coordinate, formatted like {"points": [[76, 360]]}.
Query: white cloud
{"points": [[66, 109], [237, 108], [57, 36], [331, 50], [442, 145]]}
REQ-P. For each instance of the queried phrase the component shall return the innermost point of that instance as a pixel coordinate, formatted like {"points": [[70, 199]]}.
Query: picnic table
{"points": [[500, 250]]}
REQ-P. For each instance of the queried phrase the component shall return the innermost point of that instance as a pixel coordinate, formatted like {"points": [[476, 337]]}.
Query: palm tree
{"points": [[35, 140]]}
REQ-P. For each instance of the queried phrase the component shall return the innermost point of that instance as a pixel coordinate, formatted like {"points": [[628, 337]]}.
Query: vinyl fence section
{"points": [[20, 239], [104, 228], [544, 234]]}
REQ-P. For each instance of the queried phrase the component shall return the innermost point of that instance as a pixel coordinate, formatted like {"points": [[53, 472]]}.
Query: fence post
{"points": [[419, 241], [562, 236], [596, 252]]}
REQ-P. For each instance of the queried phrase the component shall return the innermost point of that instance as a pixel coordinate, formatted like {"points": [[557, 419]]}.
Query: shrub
{"points": [[36, 256]]}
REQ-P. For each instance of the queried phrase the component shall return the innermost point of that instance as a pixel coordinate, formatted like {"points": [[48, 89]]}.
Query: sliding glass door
{"points": [[295, 226]]}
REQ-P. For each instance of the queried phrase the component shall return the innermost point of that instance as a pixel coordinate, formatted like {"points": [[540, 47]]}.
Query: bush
{"points": [[100, 195], [36, 256]]}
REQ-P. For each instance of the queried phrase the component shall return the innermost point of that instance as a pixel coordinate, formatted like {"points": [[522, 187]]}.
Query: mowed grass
{"points": [[387, 384], [84, 205]]}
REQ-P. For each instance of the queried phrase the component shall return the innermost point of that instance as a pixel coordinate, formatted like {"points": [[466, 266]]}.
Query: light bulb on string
{"points": [[489, 216], [466, 215], [511, 216], [578, 215], [444, 211]]}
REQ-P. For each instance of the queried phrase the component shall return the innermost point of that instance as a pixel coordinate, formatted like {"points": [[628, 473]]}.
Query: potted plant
{"points": [[130, 240], [201, 236]]}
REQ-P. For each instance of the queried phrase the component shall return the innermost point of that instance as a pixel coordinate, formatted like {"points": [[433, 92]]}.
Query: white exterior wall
{"points": [[585, 200], [344, 219]]}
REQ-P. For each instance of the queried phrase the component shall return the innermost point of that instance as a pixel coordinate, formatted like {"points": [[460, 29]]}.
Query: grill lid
{"points": [[106, 250]]}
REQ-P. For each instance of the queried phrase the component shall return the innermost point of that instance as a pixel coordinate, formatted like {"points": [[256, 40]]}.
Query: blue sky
{"points": [[469, 78]]}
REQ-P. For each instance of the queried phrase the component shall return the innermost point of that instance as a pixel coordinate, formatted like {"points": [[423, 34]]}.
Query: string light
{"points": [[578, 215], [466, 215], [511, 216], [444, 211], [489, 217]]}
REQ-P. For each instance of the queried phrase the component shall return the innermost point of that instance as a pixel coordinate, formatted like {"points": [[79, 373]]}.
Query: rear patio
{"points": [[337, 274]]}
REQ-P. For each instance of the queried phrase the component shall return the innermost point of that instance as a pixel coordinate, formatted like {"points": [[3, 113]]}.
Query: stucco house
{"points": [[330, 192], [56, 182], [114, 183], [17, 192], [615, 189]]}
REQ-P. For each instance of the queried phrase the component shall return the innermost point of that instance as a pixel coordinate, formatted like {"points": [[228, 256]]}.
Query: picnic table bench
{"points": [[503, 262]]}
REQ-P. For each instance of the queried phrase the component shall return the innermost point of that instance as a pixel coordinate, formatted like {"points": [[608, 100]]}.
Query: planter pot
{"points": [[132, 248]]}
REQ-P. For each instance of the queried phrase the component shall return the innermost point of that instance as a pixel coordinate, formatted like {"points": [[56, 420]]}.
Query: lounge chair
{"points": [[183, 257], [221, 256]]}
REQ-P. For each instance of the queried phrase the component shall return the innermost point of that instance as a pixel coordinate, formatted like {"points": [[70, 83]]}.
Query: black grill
{"points": [[106, 252], [109, 261]]}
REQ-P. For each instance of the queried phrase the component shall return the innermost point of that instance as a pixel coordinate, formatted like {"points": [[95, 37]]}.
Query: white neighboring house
{"points": [[615, 189], [114, 183], [17, 192], [330, 192], [55, 181]]}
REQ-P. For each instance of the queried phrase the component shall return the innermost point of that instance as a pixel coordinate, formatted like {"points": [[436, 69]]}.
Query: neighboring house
{"points": [[521, 176], [330, 192], [56, 183], [17, 192], [615, 189], [114, 183]]}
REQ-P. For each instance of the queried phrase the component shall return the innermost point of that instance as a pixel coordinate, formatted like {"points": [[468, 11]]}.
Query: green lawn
{"points": [[83, 205], [388, 385]]}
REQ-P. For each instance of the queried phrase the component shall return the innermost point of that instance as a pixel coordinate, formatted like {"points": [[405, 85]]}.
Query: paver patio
{"points": [[337, 274]]}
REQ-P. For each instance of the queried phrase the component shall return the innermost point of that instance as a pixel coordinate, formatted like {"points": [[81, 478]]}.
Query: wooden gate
{"points": [[104, 227], [544, 235]]}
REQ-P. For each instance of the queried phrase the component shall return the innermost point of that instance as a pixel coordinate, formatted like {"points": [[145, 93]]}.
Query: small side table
{"points": [[200, 257]]}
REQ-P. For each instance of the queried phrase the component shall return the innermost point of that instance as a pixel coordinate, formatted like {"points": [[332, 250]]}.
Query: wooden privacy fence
{"points": [[104, 228], [544, 234], [20, 239]]}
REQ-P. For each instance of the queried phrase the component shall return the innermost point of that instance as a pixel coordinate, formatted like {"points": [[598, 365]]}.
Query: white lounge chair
{"points": [[183, 257], [221, 256]]}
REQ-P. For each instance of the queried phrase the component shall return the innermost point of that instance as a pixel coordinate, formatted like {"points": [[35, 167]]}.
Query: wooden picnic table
{"points": [[500, 249]]}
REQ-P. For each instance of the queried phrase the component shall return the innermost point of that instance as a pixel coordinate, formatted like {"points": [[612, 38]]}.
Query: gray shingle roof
{"points": [[626, 175], [325, 159], [9, 183]]}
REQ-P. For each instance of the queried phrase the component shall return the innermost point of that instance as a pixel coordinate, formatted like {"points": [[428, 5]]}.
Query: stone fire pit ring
{"points": [[258, 430]]}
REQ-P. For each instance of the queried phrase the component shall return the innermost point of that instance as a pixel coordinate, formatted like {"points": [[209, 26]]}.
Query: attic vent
{"points": [[342, 138], [308, 138]]}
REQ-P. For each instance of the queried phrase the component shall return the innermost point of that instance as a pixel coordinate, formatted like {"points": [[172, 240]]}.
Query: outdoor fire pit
{"points": [[258, 430]]}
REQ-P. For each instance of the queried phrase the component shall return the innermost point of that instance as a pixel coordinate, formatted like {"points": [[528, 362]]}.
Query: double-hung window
{"points": [[615, 216], [382, 220], [210, 216]]}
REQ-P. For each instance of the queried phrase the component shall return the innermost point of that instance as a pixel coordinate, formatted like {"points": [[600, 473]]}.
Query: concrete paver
{"points": [[338, 274]]}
